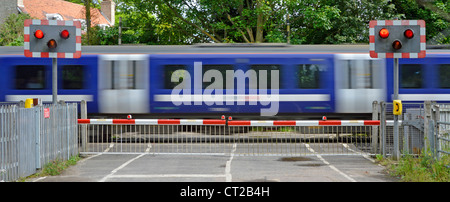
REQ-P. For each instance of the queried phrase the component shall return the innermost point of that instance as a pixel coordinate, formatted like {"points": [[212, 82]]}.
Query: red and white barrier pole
{"points": [[230, 122]]}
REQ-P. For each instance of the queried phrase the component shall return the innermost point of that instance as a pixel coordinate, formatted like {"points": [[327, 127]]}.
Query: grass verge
{"points": [[54, 167], [422, 168]]}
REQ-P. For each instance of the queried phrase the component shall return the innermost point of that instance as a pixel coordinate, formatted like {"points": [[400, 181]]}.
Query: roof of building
{"points": [[68, 10]]}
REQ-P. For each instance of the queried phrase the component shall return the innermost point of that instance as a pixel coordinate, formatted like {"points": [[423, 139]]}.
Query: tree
{"points": [[256, 21], [435, 13], [11, 31], [214, 21], [336, 21]]}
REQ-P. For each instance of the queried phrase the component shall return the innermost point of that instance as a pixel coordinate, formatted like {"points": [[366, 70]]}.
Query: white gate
{"points": [[285, 138]]}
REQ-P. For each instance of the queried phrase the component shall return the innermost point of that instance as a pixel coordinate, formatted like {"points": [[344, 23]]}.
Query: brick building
{"points": [[59, 10]]}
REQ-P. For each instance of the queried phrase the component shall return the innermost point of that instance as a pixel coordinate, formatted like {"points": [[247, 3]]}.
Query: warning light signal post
{"points": [[52, 39], [397, 39]]}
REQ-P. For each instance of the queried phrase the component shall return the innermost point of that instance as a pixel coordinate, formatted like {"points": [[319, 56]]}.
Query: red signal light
{"points": [[52, 44], [408, 33], [396, 44], [39, 34], [384, 33], [64, 34]]}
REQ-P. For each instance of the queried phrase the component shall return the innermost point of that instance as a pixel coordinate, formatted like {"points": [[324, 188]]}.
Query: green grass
{"points": [[422, 168], [54, 167], [57, 166]]}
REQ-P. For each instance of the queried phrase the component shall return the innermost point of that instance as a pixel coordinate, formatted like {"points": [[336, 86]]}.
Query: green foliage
{"points": [[57, 166], [435, 13], [423, 168], [11, 31], [253, 21], [173, 22]]}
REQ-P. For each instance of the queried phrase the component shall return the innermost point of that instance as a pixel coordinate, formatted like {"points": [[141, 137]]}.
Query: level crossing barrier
{"points": [[219, 136]]}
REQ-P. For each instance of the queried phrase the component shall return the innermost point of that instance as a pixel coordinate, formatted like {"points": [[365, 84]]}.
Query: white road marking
{"points": [[228, 177], [39, 179], [168, 176], [364, 154], [148, 148], [329, 165], [227, 174], [120, 167]]}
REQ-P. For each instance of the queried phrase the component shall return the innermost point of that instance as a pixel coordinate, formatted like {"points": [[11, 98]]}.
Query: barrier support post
{"points": [[83, 128], [375, 128], [383, 128]]}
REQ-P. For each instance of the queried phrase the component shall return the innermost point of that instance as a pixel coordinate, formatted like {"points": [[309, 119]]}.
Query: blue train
{"points": [[176, 81]]}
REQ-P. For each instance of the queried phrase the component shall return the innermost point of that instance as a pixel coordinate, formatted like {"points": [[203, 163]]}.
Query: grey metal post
{"points": [[383, 128], [437, 118], [37, 117], [396, 152], [55, 80], [120, 31], [83, 128], [406, 133], [374, 128], [426, 125]]}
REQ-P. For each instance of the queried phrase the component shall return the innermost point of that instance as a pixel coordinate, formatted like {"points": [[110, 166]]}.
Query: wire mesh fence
{"points": [[411, 134]]}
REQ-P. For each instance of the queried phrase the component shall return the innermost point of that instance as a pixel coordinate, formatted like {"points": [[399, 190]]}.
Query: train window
{"points": [[411, 76], [131, 75], [123, 74], [268, 69], [169, 70], [444, 75], [360, 74], [72, 76], [309, 76], [222, 70], [30, 77]]}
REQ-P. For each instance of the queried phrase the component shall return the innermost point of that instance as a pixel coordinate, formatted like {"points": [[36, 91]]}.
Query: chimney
{"points": [[108, 9]]}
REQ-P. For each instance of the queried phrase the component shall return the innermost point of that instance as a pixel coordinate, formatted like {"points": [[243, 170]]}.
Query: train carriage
{"points": [[188, 81]]}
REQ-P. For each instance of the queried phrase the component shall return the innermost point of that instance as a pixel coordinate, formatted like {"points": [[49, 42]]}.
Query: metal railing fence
{"points": [[423, 126], [442, 146], [33, 137], [411, 128]]}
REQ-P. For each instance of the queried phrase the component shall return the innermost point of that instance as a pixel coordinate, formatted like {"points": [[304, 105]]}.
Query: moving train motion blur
{"points": [[313, 80]]}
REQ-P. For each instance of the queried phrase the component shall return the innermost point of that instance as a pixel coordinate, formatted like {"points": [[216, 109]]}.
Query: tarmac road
{"points": [[179, 167]]}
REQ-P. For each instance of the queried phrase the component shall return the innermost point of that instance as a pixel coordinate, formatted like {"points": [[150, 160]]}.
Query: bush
{"points": [[422, 168], [11, 31]]}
